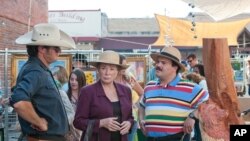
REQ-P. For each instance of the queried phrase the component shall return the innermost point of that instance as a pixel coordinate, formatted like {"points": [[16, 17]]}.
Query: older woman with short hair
{"points": [[107, 102]]}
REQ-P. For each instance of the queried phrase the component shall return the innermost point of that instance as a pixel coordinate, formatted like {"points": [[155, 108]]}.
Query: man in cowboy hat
{"points": [[167, 106], [36, 98]]}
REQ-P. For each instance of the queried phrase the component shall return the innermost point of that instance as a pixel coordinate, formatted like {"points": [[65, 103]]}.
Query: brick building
{"points": [[16, 18]]}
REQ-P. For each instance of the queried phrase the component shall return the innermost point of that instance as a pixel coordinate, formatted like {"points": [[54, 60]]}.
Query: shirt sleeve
{"points": [[26, 88], [201, 96]]}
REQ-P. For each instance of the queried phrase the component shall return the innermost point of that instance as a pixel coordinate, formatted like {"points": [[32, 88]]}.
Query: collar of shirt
{"points": [[37, 60], [174, 82]]}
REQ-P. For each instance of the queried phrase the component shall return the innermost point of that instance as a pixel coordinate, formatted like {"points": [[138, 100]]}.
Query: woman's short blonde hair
{"points": [[61, 73]]}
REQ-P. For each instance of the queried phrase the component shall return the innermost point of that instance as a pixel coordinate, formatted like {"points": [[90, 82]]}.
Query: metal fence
{"points": [[10, 66]]}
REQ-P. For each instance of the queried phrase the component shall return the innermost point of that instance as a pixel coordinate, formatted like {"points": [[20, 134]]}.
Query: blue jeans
{"points": [[132, 134]]}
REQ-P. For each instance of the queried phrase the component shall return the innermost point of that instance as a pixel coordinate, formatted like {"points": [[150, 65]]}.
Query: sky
{"points": [[126, 8]]}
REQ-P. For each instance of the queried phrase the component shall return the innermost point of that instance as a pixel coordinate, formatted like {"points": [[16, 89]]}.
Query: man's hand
{"points": [[41, 126], [26, 110], [188, 125]]}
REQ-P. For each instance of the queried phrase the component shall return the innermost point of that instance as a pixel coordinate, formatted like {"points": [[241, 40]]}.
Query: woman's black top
{"points": [[116, 136]]}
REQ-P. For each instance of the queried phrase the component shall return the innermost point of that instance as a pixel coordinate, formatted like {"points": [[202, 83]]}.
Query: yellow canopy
{"points": [[180, 31]]}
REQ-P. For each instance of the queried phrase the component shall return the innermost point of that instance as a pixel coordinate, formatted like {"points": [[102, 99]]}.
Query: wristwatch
{"points": [[192, 116]]}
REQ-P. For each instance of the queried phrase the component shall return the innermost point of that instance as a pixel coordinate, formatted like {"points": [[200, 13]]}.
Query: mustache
{"points": [[158, 68]]}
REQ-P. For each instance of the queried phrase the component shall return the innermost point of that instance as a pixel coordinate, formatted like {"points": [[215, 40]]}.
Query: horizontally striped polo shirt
{"points": [[166, 108]]}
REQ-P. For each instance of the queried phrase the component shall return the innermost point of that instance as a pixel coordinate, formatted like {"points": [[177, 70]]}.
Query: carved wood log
{"points": [[219, 77]]}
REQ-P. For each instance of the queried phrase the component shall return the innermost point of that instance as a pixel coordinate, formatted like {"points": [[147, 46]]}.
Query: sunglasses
{"points": [[57, 49]]}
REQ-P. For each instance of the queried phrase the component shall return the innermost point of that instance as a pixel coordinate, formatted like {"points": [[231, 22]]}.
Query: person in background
{"points": [[36, 98], [151, 74], [107, 102], [125, 78], [186, 71], [77, 80], [79, 61], [198, 79], [199, 69], [61, 76], [192, 61], [248, 74], [72, 134], [167, 107]]}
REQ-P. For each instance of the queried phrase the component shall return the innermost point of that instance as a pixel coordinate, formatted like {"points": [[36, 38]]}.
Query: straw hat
{"points": [[169, 53], [47, 35], [109, 57]]}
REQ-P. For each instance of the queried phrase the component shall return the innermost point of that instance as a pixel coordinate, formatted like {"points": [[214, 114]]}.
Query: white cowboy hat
{"points": [[109, 57], [47, 35], [171, 53]]}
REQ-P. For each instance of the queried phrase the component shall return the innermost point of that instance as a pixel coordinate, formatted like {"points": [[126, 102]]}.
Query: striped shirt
{"points": [[167, 107]]}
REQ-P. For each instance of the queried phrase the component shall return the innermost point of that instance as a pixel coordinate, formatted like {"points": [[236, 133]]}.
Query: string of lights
{"points": [[192, 17]]}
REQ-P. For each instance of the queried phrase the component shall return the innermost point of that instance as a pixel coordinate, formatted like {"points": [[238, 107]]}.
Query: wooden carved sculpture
{"points": [[212, 125], [222, 109]]}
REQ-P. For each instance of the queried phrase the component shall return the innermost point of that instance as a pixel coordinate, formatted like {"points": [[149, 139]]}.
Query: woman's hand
{"points": [[136, 86], [142, 126], [110, 123], [125, 126]]}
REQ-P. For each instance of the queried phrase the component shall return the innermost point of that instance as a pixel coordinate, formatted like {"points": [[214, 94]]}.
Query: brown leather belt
{"points": [[45, 138]]}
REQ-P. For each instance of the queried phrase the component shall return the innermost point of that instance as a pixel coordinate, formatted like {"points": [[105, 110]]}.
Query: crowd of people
{"points": [[54, 105]]}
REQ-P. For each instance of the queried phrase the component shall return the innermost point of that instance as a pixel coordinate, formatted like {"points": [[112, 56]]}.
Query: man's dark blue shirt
{"points": [[35, 83]]}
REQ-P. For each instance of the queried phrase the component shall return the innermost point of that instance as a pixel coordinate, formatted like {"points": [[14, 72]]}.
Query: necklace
{"points": [[74, 99]]}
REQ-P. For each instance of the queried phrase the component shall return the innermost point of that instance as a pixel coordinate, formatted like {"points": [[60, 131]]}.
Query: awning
{"points": [[180, 31], [221, 9], [123, 43], [86, 39]]}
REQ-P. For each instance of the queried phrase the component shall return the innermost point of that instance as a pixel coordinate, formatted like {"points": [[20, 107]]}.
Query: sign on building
{"points": [[78, 23]]}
